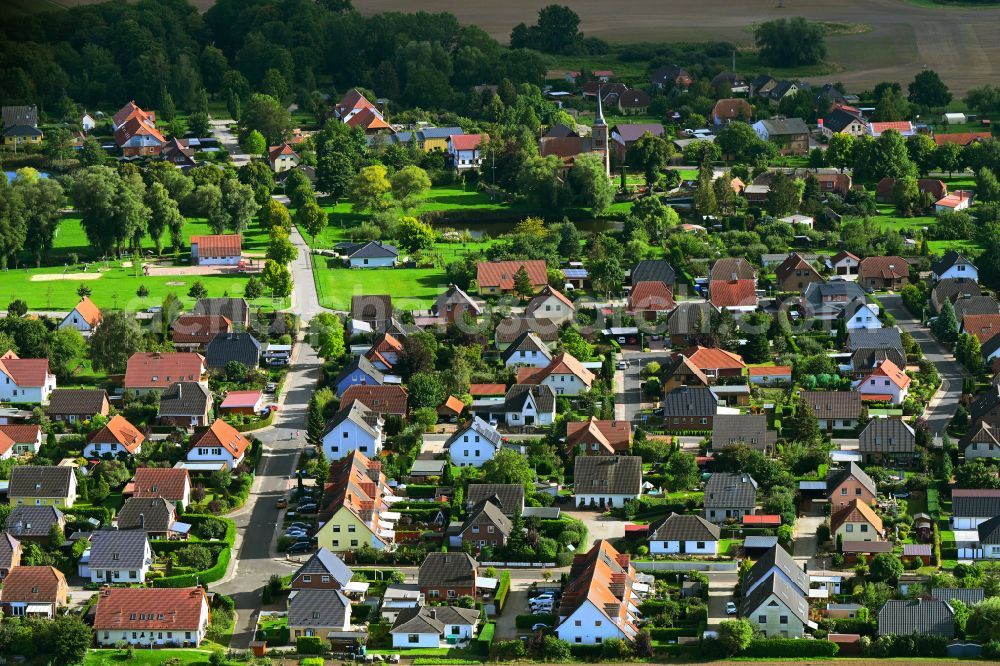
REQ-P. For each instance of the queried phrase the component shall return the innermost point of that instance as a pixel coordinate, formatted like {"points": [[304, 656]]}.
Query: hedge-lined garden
{"points": [[221, 548]]}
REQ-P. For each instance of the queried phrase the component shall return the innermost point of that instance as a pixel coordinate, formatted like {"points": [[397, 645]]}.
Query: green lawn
{"points": [[889, 220], [145, 657], [410, 288]]}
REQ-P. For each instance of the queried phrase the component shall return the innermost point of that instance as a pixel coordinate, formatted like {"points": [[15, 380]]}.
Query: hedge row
{"points": [[360, 613], [526, 621], [666, 634], [587, 652], [209, 575], [103, 514], [503, 587], [254, 425], [420, 490], [776, 648]]}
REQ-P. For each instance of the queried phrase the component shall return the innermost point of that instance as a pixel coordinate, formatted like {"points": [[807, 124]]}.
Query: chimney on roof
{"points": [[432, 614]]}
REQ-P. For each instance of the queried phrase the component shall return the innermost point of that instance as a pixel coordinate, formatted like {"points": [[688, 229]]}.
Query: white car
{"points": [[544, 597], [730, 608]]}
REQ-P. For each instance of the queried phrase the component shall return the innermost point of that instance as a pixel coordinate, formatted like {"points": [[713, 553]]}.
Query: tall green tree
{"points": [[590, 185], [164, 214], [266, 115], [369, 190], [927, 89], [891, 107], [240, 204], [408, 185], [114, 341], [790, 42], [704, 194]]}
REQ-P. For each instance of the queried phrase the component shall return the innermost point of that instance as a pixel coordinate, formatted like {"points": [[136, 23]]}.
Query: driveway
{"points": [[598, 525], [628, 389], [720, 590], [517, 604], [228, 140], [942, 407], [806, 544]]}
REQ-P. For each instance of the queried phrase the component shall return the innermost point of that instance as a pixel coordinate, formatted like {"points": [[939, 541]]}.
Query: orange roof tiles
{"points": [[221, 434], [856, 512], [199, 328], [891, 371], [161, 369], [770, 370], [733, 293], [883, 267], [651, 296], [983, 326], [713, 358], [165, 482], [500, 274], [119, 431], [145, 609], [357, 484], [218, 245], [604, 577], [274, 152], [24, 371], [961, 138], [34, 585], [614, 436], [89, 311], [487, 389], [452, 404], [467, 141], [385, 399], [563, 364]]}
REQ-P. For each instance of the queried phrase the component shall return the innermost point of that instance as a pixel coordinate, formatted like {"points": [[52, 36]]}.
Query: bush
{"points": [[360, 613], [195, 556], [312, 661], [526, 621], [503, 588], [509, 650], [310, 645], [586, 652], [778, 648]]}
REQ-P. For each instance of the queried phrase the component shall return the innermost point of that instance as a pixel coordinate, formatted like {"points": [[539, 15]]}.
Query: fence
{"points": [[521, 565], [684, 566]]}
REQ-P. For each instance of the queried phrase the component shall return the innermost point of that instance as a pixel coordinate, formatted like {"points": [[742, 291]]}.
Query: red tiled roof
{"points": [[137, 127], [274, 152], [90, 312], [732, 293], [6, 443], [961, 138], [563, 364], [891, 371], [144, 608], [467, 141], [165, 482], [898, 125], [119, 431], [649, 296], [762, 519], [24, 371], [713, 358], [983, 326], [614, 436], [452, 404], [220, 245], [883, 267], [501, 273], [732, 109], [353, 99], [221, 434], [236, 399], [34, 584], [954, 199], [367, 119], [386, 399], [855, 512], [486, 389], [199, 328], [794, 262], [161, 369], [132, 110], [770, 370], [22, 434]]}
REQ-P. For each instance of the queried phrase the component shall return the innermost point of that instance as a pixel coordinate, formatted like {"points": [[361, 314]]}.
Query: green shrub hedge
{"points": [[667, 634], [101, 513], [587, 652], [209, 575], [526, 621], [310, 645], [360, 613], [420, 490], [776, 648], [503, 588]]}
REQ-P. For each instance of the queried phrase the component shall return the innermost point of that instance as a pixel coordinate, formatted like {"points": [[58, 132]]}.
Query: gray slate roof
{"points": [[20, 115], [118, 549], [989, 531], [777, 557], [358, 414], [976, 504], [185, 399], [653, 270], [8, 545], [527, 341], [952, 289], [784, 126], [479, 426], [39, 481], [510, 328], [835, 477], [494, 513], [236, 310], [508, 496], [786, 593], [834, 404], [363, 364], [949, 259], [369, 250], [887, 435], [226, 347], [728, 489], [685, 318], [318, 608], [32, 521], [371, 307], [447, 570], [543, 395], [76, 401], [922, 616], [874, 338], [432, 619], [748, 429], [676, 527], [690, 401], [967, 595], [612, 475], [324, 562], [150, 514]]}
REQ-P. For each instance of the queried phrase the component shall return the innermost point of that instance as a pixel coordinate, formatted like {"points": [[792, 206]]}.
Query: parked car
{"points": [[545, 609], [393, 658], [539, 626], [300, 547], [730, 608], [308, 508], [282, 503], [544, 597]]}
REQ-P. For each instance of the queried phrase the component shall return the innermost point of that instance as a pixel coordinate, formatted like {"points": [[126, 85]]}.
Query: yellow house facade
{"points": [[42, 486], [856, 522], [347, 531]]}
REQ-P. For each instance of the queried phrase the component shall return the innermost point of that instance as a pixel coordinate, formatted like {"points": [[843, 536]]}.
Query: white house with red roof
{"points": [[886, 383], [600, 601], [117, 437], [956, 201], [351, 104], [282, 158], [85, 316], [171, 483], [27, 380], [150, 617], [904, 127], [564, 373], [156, 371], [135, 132], [216, 250], [551, 304], [465, 150], [220, 443]]}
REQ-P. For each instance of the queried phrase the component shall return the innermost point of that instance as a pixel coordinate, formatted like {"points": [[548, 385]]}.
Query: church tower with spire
{"points": [[599, 135]]}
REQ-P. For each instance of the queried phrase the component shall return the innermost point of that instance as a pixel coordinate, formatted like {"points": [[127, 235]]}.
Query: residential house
{"points": [[776, 561], [689, 322], [985, 327], [351, 104], [372, 309], [731, 269], [600, 600], [834, 300], [624, 136], [387, 400], [151, 617], [454, 305], [973, 506], [136, 133], [981, 441], [154, 516], [987, 544], [856, 521], [970, 596], [650, 300], [156, 371], [527, 350], [322, 613], [226, 348], [843, 120], [734, 295], [433, 626], [249, 403], [730, 109], [72, 405], [882, 273], [715, 362], [689, 408], [236, 310], [323, 571], [485, 525], [85, 317], [954, 202], [354, 427], [961, 138], [34, 591], [798, 220], [687, 535], [20, 125], [653, 270], [370, 121], [681, 372], [551, 304], [354, 506], [729, 83], [633, 103], [448, 576], [115, 438], [35, 485], [10, 554], [359, 372], [730, 496], [193, 332], [777, 609], [790, 135], [186, 405], [497, 277], [886, 383], [221, 443], [953, 265], [845, 263], [795, 274], [869, 347], [742, 430], [25, 380], [473, 443], [598, 437], [848, 484], [509, 497], [282, 158], [925, 617], [171, 483], [565, 374], [466, 150], [770, 375], [606, 481], [179, 153], [34, 523], [373, 254], [985, 407], [528, 406], [888, 440], [216, 250], [976, 305], [117, 556], [936, 188], [669, 77], [781, 90], [904, 127]]}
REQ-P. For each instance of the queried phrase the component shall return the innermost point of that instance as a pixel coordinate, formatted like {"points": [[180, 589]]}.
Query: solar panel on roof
{"points": [[575, 272]]}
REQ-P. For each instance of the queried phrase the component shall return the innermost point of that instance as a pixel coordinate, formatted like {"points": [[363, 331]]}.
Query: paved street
{"points": [[220, 130], [628, 389], [943, 406]]}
